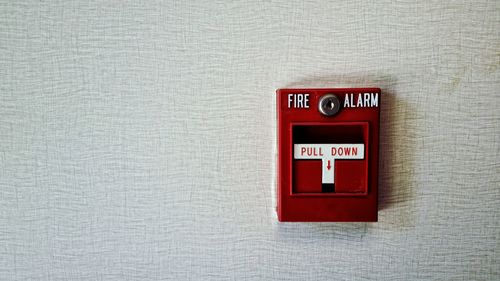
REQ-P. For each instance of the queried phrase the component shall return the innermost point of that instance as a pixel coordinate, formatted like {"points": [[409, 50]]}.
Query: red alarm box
{"points": [[328, 154]]}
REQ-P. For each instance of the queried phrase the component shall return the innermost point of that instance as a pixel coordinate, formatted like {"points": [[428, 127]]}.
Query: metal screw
{"points": [[329, 105]]}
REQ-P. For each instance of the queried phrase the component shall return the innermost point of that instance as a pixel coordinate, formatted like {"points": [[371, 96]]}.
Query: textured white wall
{"points": [[136, 139]]}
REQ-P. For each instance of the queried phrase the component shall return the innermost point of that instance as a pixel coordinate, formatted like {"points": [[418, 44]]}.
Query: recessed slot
{"points": [[330, 159]]}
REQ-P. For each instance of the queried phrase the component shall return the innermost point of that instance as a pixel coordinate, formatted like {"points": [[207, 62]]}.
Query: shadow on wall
{"points": [[396, 160]]}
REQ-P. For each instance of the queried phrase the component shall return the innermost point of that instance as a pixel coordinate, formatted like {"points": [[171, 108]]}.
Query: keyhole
{"points": [[329, 105]]}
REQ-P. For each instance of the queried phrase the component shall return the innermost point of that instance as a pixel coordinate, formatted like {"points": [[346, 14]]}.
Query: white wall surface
{"points": [[136, 138]]}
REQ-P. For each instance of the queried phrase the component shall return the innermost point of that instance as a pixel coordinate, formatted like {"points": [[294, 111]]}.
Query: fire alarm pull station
{"points": [[328, 154]]}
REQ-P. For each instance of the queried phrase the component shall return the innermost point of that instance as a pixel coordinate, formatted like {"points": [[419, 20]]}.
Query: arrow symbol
{"points": [[328, 166]]}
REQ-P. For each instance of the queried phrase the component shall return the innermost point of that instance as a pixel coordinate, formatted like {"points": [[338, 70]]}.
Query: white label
{"points": [[328, 153]]}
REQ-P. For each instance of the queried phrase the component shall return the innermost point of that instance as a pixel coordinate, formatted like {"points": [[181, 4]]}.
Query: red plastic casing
{"points": [[300, 191]]}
